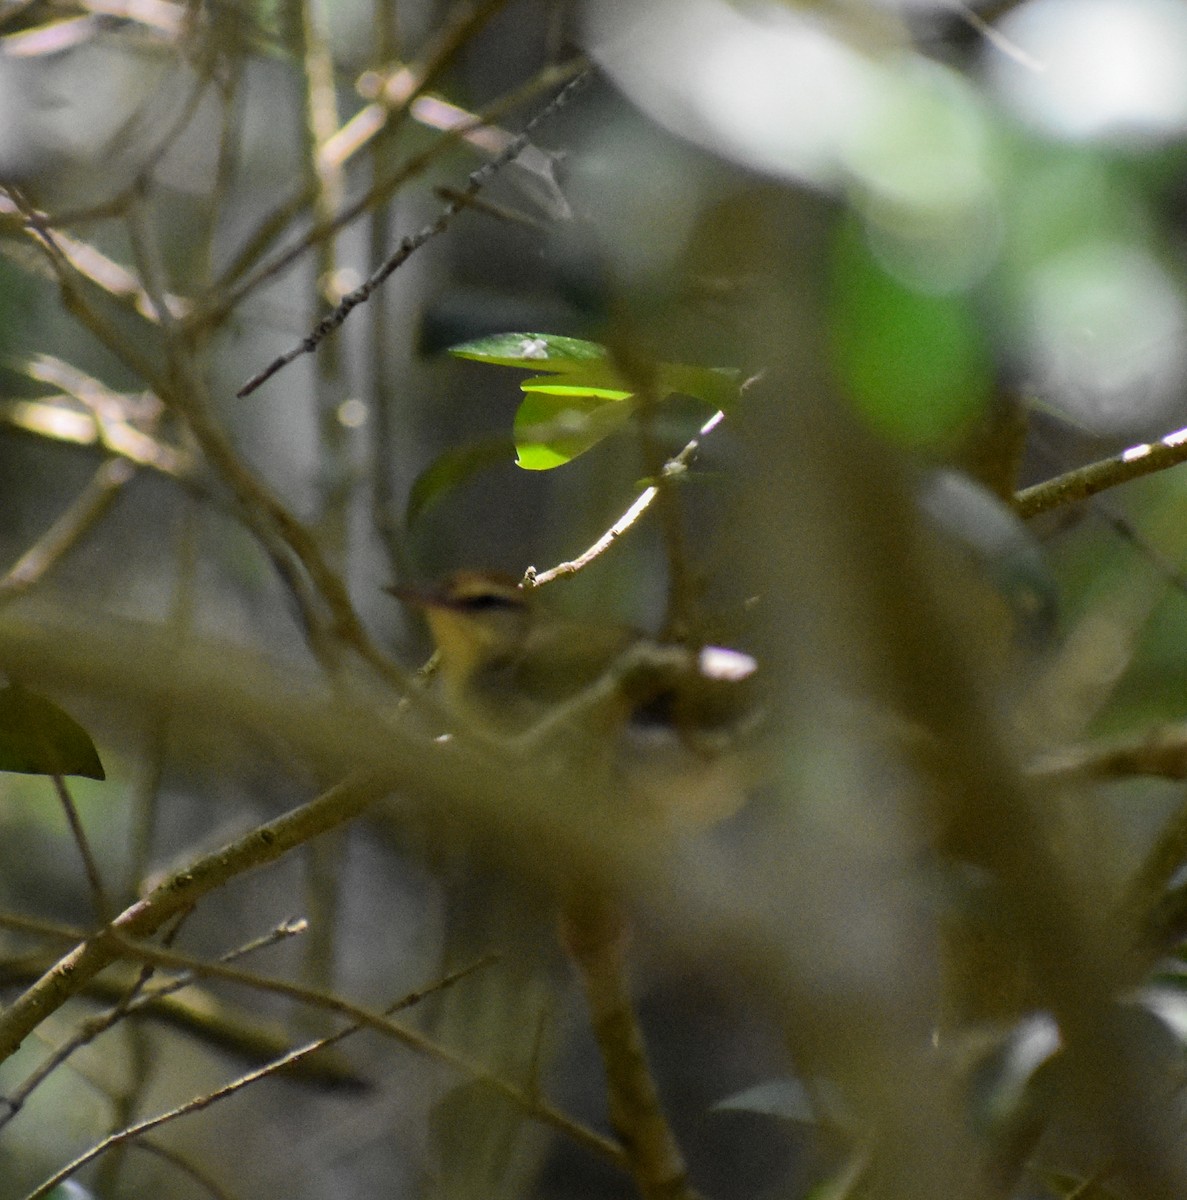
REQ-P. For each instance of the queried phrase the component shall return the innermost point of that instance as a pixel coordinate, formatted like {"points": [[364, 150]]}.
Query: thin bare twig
{"points": [[680, 462], [528, 1102], [477, 180], [134, 997], [198, 1103], [501, 212], [94, 266], [72, 280], [386, 389], [225, 298], [394, 95], [215, 1190], [996, 38], [83, 514], [178, 893], [1074, 486], [57, 422], [146, 793], [203, 1017], [94, 879], [282, 535], [355, 134], [1128, 532], [1159, 754]]}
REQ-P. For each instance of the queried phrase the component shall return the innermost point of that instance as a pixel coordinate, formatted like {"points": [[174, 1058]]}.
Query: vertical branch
{"points": [[640, 375], [293, 549], [383, 400], [681, 616], [323, 177], [229, 149], [147, 795], [595, 934]]}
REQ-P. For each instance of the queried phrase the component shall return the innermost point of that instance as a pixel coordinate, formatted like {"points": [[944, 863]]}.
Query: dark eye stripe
{"points": [[487, 601]]}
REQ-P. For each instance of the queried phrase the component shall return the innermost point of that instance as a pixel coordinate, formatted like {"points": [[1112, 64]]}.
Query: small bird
{"points": [[674, 722]]}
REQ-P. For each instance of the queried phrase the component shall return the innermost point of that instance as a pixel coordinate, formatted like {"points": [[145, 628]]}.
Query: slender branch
{"points": [[122, 939], [198, 1103], [204, 1017], [386, 392], [72, 280], [178, 893], [680, 462], [1149, 884], [527, 1102], [129, 994], [91, 264], [279, 530], [1125, 529], [146, 792], [501, 212], [94, 879], [1074, 486], [363, 1017], [379, 192], [88, 508], [477, 180], [56, 422], [1160, 754], [324, 176], [353, 136], [995, 37], [395, 95], [183, 1164]]}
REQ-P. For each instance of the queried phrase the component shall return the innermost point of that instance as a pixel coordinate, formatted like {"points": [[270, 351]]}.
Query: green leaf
{"points": [[579, 402], [534, 351], [549, 352], [599, 385], [554, 427], [453, 467], [38, 738], [719, 387]]}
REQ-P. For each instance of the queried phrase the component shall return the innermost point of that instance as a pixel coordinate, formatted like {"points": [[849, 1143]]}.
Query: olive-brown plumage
{"points": [[669, 721]]}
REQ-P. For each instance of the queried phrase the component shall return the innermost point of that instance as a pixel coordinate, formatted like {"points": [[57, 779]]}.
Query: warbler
{"points": [[675, 723]]}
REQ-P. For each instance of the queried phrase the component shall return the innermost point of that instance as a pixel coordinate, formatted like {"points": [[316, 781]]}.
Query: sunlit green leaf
{"points": [[38, 738], [580, 383], [452, 468], [536, 351], [551, 429], [587, 392]]}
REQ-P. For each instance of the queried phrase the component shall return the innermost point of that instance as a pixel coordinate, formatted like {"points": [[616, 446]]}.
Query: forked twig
{"points": [[409, 245], [198, 1103]]}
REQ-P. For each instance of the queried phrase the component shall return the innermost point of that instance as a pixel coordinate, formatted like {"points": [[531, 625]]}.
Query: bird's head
{"points": [[475, 617]]}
